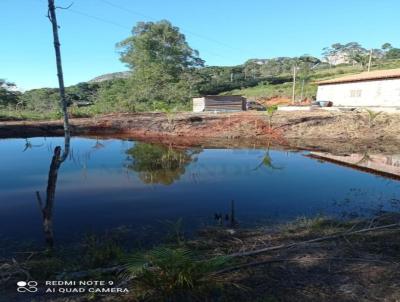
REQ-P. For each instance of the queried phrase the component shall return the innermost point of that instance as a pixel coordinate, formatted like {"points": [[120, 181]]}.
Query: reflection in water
{"points": [[47, 208], [267, 162], [108, 184], [29, 145], [387, 165], [158, 164]]}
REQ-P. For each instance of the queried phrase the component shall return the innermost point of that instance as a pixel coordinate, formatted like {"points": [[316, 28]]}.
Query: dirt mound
{"points": [[315, 130], [283, 101]]}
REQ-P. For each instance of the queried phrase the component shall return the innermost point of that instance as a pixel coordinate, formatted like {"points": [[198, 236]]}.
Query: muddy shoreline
{"points": [[328, 131]]}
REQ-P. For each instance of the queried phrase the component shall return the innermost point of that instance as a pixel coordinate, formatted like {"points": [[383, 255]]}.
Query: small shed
{"points": [[379, 88], [219, 103]]}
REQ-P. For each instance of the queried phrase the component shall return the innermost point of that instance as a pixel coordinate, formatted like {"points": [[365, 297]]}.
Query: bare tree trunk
{"points": [[53, 19], [58, 159], [47, 208], [302, 90], [294, 84]]}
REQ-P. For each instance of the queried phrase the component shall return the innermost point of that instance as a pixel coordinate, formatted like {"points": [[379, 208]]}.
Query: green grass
{"points": [[176, 274], [22, 115], [277, 90]]}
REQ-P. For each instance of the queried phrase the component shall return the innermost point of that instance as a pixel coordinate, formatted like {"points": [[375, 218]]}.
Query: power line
{"points": [[184, 29], [125, 27], [99, 19]]}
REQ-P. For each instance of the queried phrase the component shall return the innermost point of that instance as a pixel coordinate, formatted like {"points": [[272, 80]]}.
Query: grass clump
{"points": [[102, 251], [175, 274], [316, 226]]}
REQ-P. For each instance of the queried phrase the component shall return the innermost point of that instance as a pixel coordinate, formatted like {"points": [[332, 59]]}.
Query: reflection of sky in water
{"points": [[96, 190]]}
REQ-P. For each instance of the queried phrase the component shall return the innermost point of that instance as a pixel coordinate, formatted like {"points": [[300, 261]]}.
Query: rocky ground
{"points": [[316, 130]]}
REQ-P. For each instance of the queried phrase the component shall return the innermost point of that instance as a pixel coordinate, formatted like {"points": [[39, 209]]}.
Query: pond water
{"points": [[135, 187]]}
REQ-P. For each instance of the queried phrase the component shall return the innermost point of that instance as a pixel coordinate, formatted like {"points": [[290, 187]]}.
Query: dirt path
{"points": [[316, 130]]}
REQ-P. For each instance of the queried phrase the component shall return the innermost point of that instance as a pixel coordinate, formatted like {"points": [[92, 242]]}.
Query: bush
{"points": [[166, 274]]}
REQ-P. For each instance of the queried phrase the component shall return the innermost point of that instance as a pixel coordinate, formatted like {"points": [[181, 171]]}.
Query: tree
{"points": [[8, 96], [387, 46], [393, 53], [390, 52], [162, 62], [331, 54], [41, 100], [352, 52], [356, 53]]}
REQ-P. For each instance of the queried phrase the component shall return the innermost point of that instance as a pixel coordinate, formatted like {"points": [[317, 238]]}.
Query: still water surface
{"points": [[116, 184]]}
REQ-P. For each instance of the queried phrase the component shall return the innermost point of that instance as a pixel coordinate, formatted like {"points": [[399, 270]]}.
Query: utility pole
{"points": [[370, 59], [63, 101], [294, 84]]}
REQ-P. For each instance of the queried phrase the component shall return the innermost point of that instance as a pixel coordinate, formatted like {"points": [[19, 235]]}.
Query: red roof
{"points": [[364, 76]]}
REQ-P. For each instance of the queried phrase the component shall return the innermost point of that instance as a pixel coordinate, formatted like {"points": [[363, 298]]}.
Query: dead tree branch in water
{"points": [[47, 208]]}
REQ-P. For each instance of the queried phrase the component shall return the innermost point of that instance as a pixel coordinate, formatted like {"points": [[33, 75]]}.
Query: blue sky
{"points": [[226, 32]]}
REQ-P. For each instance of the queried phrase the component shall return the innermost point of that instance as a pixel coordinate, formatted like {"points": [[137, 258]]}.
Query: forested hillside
{"points": [[165, 73]]}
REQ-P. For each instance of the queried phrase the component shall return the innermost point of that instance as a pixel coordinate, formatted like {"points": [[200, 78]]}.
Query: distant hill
{"points": [[110, 76]]}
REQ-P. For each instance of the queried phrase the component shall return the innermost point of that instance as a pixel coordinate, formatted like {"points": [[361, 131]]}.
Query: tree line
{"points": [[166, 73]]}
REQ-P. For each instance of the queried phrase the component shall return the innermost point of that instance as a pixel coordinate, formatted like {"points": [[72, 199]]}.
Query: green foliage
{"points": [[101, 250], [45, 100], [166, 274], [13, 114], [82, 93], [44, 267], [113, 96], [267, 162], [393, 53], [163, 64], [270, 113], [175, 231], [166, 73], [372, 115], [41, 100], [8, 97], [158, 163], [276, 67]]}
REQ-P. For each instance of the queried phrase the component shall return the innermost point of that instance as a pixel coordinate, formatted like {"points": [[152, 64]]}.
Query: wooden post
{"points": [[302, 90], [232, 220], [53, 19], [294, 84], [370, 59]]}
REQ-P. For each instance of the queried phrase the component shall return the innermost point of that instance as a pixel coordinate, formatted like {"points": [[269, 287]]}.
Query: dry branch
{"points": [[267, 261], [285, 246]]}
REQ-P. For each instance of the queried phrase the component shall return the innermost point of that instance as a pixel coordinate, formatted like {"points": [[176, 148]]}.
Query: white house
{"points": [[368, 89]]}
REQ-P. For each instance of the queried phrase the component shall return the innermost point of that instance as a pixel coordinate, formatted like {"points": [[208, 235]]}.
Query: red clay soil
{"points": [[316, 130], [277, 100]]}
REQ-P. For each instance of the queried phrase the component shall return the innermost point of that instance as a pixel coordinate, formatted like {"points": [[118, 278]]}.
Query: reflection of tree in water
{"points": [[158, 163], [47, 207], [267, 162], [29, 145]]}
